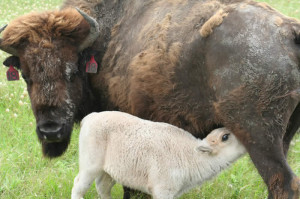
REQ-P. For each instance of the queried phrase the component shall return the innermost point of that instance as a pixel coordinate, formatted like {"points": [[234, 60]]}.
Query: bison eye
{"points": [[73, 75], [225, 137]]}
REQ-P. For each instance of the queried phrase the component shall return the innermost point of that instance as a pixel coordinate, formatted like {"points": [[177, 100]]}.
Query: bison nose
{"points": [[50, 131]]}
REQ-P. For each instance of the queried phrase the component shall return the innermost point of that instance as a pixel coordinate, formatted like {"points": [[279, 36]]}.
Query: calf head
{"points": [[46, 48], [223, 143]]}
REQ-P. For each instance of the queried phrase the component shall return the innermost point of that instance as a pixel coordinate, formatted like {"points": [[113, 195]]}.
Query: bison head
{"points": [[46, 48]]}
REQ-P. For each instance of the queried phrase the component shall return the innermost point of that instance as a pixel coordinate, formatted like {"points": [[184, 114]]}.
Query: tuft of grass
{"points": [[24, 173], [289, 8]]}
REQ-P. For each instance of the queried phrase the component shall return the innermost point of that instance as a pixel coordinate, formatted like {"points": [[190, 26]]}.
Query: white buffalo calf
{"points": [[155, 158]]}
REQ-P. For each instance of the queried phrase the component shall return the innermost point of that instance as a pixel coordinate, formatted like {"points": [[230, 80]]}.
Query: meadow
{"points": [[24, 173]]}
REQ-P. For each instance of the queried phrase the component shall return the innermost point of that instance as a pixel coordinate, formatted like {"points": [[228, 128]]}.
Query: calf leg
{"points": [[104, 183], [159, 192], [82, 183]]}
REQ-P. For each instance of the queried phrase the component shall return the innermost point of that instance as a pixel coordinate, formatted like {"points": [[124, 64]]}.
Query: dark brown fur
{"points": [[195, 64]]}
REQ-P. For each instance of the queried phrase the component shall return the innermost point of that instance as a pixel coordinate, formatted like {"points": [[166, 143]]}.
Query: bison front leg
{"points": [[126, 194], [131, 193]]}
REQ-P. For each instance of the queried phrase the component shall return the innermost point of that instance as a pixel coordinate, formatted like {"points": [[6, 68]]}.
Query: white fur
{"points": [[156, 158]]}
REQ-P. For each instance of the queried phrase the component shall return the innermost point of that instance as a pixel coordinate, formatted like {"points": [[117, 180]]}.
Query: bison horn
{"points": [[94, 31], [3, 28], [7, 49]]}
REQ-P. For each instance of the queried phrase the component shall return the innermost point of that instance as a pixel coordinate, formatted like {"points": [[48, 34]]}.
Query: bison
{"points": [[196, 64]]}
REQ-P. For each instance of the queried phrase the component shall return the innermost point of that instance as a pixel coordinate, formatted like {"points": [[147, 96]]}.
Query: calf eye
{"points": [[225, 137]]}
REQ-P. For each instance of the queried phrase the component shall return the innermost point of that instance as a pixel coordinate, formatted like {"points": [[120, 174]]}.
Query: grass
{"points": [[24, 173]]}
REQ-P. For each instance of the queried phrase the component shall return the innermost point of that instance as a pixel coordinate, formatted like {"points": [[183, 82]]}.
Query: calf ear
{"points": [[12, 61], [204, 147]]}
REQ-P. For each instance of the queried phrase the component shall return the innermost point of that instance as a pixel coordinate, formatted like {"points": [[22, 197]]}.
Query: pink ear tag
{"points": [[12, 74], [91, 66]]}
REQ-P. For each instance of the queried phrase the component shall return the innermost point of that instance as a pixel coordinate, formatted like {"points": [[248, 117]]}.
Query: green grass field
{"points": [[24, 173]]}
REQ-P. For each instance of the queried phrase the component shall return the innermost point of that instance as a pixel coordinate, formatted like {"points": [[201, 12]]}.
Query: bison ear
{"points": [[85, 57], [12, 61]]}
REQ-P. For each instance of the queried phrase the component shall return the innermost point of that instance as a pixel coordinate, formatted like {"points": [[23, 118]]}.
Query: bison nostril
{"points": [[49, 127], [50, 131]]}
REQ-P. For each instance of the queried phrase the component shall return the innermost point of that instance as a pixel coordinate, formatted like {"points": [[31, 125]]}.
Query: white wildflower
{"points": [[21, 103]]}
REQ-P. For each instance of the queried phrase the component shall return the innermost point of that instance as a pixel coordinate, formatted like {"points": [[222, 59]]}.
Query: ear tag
{"points": [[91, 66], [12, 74]]}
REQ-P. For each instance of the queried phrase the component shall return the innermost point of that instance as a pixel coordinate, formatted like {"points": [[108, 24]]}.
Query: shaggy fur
{"points": [[214, 21], [154, 157], [42, 28]]}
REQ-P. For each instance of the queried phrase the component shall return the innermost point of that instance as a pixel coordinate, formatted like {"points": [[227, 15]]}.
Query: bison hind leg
{"points": [[261, 128], [294, 124]]}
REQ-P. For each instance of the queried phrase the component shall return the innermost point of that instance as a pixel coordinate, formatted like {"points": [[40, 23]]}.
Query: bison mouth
{"points": [[54, 137]]}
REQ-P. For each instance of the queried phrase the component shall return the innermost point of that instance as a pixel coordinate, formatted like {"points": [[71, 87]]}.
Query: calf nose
{"points": [[50, 130]]}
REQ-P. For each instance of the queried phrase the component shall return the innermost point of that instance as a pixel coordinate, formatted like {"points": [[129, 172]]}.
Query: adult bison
{"points": [[197, 64]]}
